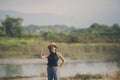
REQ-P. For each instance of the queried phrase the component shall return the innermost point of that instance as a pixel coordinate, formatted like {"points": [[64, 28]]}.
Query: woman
{"points": [[52, 65]]}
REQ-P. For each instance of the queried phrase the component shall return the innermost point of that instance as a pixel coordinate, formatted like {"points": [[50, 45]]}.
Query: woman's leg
{"points": [[55, 74], [50, 73]]}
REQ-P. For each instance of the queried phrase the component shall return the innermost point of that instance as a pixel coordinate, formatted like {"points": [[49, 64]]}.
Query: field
{"points": [[30, 48]]}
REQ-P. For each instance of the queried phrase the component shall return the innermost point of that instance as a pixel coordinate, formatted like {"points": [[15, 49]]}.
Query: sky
{"points": [[83, 11]]}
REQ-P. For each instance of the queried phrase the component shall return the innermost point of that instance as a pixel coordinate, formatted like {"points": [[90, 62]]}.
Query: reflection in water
{"points": [[13, 70], [32, 69], [98, 67], [9, 70], [70, 69]]}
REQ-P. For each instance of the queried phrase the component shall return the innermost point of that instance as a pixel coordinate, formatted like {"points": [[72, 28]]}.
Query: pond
{"points": [[70, 69]]}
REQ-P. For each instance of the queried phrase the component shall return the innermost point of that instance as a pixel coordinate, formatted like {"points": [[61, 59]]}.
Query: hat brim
{"points": [[52, 44]]}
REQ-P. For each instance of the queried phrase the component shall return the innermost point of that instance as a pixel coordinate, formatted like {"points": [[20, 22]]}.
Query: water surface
{"points": [[70, 69]]}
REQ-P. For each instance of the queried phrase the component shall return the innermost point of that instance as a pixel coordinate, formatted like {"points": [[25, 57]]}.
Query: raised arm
{"points": [[42, 56]]}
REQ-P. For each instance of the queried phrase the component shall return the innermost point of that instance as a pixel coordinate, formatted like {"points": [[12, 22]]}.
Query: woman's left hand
{"points": [[57, 68]]}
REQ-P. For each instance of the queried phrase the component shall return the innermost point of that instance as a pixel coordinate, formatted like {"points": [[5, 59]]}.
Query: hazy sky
{"points": [[86, 11]]}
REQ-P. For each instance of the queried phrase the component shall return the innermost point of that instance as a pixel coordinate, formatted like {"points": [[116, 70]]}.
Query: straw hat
{"points": [[52, 44]]}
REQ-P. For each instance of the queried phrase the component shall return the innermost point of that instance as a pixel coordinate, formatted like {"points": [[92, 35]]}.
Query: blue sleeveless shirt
{"points": [[53, 59]]}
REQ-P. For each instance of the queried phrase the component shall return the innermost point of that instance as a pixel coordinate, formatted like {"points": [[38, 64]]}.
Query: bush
{"points": [[88, 76]]}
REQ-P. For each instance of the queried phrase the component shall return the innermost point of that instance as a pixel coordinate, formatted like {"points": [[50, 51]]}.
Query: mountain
{"points": [[39, 19]]}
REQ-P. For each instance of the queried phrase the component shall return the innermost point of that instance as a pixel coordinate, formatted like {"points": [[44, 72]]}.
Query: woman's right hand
{"points": [[41, 53], [57, 68], [42, 56]]}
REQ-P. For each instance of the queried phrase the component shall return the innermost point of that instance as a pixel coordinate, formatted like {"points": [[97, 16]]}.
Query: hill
{"points": [[39, 19]]}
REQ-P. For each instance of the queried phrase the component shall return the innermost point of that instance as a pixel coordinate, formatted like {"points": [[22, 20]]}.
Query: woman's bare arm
{"points": [[62, 59], [42, 56]]}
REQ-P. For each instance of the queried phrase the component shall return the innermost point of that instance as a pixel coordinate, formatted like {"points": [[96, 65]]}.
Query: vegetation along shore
{"points": [[98, 40]]}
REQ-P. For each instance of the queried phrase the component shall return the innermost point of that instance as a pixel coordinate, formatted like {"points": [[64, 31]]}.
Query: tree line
{"points": [[12, 27]]}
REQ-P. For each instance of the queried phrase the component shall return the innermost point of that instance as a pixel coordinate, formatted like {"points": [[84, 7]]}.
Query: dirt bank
{"points": [[27, 78], [22, 61]]}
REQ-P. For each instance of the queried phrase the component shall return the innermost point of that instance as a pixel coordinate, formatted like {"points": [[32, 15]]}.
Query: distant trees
{"points": [[11, 27], [2, 31], [95, 33], [54, 36], [116, 29], [105, 30]]}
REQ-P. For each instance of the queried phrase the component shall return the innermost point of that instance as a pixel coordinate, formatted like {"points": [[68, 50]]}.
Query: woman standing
{"points": [[52, 65]]}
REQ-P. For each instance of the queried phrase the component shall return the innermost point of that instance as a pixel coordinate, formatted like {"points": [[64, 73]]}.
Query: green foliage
{"points": [[12, 26], [2, 31], [53, 36], [31, 29], [29, 47], [95, 33], [98, 33]]}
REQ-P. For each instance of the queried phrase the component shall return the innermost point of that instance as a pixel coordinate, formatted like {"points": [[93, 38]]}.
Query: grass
{"points": [[78, 76], [89, 49], [88, 76], [30, 47]]}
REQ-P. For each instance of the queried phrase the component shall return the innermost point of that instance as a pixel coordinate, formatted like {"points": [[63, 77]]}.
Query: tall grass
{"points": [[26, 47], [104, 50], [14, 47]]}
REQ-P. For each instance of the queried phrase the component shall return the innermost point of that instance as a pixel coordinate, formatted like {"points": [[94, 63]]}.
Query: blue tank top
{"points": [[53, 59]]}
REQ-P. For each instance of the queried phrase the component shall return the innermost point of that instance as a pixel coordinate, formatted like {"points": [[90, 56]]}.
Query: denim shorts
{"points": [[52, 73]]}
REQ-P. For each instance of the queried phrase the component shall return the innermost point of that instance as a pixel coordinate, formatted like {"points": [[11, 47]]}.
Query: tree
{"points": [[2, 31], [95, 26], [12, 26], [116, 29]]}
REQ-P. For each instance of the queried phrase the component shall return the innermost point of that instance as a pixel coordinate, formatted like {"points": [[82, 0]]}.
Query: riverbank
{"points": [[25, 78], [114, 76], [21, 61]]}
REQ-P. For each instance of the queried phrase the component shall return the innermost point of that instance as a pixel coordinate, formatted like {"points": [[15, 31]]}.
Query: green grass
{"points": [[30, 47], [97, 50], [79, 76]]}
